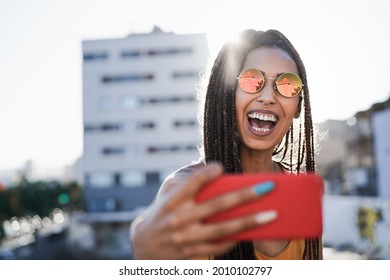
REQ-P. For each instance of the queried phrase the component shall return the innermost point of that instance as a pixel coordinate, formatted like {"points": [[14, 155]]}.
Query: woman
{"points": [[257, 87]]}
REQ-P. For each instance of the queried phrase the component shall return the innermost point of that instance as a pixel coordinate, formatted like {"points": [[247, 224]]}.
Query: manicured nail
{"points": [[266, 216], [263, 187]]}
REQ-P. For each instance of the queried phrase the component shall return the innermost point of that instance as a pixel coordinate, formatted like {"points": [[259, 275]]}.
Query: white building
{"points": [[139, 109], [140, 124], [380, 122], [333, 137]]}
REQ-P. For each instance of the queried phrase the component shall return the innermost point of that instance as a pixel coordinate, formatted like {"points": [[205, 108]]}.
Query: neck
{"points": [[258, 161]]}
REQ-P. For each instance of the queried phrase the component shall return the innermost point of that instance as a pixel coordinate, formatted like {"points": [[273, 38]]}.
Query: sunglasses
{"points": [[252, 80]]}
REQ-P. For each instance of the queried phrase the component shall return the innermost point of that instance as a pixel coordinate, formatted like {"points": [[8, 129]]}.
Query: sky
{"points": [[345, 46]]}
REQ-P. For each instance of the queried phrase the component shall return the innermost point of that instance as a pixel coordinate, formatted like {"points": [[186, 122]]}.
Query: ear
{"points": [[299, 107]]}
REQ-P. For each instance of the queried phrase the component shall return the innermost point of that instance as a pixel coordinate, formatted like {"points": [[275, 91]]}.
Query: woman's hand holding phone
{"points": [[173, 226]]}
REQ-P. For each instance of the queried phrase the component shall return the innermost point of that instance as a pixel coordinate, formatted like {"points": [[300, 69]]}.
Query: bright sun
{"points": [[217, 38]]}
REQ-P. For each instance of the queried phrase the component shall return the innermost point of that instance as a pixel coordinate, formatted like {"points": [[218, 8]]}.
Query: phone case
{"points": [[296, 198]]}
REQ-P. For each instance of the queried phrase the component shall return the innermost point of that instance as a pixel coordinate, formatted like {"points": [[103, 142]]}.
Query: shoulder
{"points": [[179, 174], [185, 170]]}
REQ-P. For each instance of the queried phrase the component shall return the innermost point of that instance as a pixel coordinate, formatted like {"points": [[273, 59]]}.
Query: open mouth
{"points": [[261, 122]]}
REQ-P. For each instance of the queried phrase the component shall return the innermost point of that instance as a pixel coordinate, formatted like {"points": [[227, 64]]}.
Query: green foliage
{"points": [[39, 198]]}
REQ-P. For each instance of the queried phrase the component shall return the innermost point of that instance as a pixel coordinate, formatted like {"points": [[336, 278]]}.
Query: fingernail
{"points": [[266, 216], [263, 187]]}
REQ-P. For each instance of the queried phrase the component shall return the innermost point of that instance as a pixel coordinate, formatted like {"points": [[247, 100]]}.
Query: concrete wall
{"points": [[380, 122], [341, 224]]}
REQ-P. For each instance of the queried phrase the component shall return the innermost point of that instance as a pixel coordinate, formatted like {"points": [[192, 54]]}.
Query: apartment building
{"points": [[140, 124], [139, 112], [354, 154]]}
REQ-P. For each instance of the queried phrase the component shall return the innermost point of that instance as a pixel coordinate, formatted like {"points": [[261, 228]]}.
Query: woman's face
{"points": [[261, 127]]}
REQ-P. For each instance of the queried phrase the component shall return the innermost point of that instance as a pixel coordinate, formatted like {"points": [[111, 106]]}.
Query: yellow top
{"points": [[293, 251]]}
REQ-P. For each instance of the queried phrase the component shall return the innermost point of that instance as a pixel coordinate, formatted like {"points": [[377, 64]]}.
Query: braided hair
{"points": [[221, 140]]}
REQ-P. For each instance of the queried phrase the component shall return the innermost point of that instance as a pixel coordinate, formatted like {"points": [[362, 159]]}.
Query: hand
{"points": [[172, 227]]}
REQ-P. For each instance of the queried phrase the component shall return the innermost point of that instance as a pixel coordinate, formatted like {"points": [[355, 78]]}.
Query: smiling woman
{"points": [[256, 88], [265, 135]]}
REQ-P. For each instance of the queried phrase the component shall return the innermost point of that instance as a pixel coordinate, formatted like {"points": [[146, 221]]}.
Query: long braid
{"points": [[220, 108], [300, 150], [311, 245], [291, 146], [221, 141], [310, 162]]}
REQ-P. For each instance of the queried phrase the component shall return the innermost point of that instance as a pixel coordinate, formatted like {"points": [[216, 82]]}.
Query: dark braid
{"points": [[221, 141]]}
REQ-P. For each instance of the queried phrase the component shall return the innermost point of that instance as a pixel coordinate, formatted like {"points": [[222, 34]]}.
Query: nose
{"points": [[267, 94]]}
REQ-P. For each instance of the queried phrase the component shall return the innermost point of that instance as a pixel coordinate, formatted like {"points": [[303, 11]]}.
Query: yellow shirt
{"points": [[293, 251]]}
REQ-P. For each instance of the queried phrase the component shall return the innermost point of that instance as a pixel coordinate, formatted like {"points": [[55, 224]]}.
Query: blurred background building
{"points": [[354, 153], [140, 124], [354, 160]]}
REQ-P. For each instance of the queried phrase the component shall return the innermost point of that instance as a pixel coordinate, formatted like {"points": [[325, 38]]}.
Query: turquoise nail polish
{"points": [[263, 188]]}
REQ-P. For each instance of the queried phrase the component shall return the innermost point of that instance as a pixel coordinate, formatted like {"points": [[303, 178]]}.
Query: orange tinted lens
{"points": [[251, 80], [289, 84]]}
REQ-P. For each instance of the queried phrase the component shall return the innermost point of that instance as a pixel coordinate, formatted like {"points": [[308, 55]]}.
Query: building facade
{"points": [[381, 128], [139, 111], [332, 152], [354, 153], [140, 124]]}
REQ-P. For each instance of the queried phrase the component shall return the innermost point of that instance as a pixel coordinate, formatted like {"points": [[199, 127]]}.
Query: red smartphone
{"points": [[296, 198]]}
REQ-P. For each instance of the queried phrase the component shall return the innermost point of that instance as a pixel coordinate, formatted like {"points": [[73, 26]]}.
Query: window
{"points": [[132, 150], [119, 78], [109, 126], [152, 178], [171, 51], [130, 54], [131, 126], [95, 56], [105, 127], [102, 204], [136, 126], [110, 204], [147, 125], [117, 179], [100, 179], [133, 178], [130, 102], [173, 99], [185, 74], [105, 103], [89, 128], [108, 151], [171, 148], [184, 123]]}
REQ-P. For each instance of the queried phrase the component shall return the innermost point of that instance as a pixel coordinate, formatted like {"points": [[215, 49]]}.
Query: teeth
{"points": [[262, 117], [261, 130]]}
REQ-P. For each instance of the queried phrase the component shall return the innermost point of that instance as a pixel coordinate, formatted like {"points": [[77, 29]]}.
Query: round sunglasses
{"points": [[252, 80]]}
